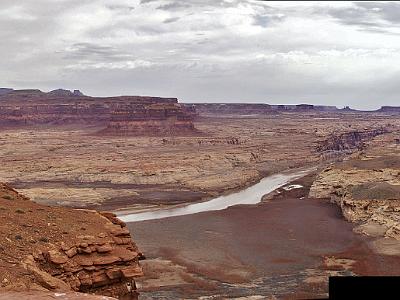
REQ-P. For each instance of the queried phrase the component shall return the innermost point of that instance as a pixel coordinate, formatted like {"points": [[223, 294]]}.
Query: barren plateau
{"points": [[64, 162]]}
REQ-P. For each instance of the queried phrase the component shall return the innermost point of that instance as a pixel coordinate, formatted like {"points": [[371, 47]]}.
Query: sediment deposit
{"points": [[285, 247]]}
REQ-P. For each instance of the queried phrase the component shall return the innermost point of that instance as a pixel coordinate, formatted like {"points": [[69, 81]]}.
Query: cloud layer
{"points": [[337, 53]]}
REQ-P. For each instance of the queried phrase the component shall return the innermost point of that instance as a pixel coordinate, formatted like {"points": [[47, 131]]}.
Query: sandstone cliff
{"points": [[348, 141], [121, 115], [367, 187], [59, 249], [153, 119]]}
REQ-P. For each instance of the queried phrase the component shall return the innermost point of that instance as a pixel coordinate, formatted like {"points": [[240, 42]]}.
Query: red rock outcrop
{"points": [[62, 249], [121, 115], [153, 119], [36, 295]]}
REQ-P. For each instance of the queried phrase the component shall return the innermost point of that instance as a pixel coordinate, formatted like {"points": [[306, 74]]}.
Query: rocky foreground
{"points": [[63, 250], [367, 189]]}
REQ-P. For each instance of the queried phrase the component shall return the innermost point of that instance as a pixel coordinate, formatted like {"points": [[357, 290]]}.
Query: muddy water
{"points": [[250, 195], [273, 248]]}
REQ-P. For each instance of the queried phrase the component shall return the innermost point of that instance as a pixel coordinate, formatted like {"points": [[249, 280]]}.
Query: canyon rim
{"points": [[166, 149]]}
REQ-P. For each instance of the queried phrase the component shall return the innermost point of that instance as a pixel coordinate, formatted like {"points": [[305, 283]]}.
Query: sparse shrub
{"points": [[8, 197], [3, 208], [18, 237], [19, 211]]}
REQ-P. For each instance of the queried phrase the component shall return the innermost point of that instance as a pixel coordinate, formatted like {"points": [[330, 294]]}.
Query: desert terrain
{"points": [[285, 247], [340, 220], [73, 166], [62, 164]]}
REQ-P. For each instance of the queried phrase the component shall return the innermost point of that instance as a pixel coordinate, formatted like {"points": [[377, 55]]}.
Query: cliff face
{"points": [[256, 108], [366, 187], [154, 119], [390, 109], [35, 114], [121, 115], [349, 141], [231, 108], [61, 249]]}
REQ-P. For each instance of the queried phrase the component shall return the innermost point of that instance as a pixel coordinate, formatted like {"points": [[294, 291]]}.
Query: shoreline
{"points": [[239, 251], [295, 172], [123, 211]]}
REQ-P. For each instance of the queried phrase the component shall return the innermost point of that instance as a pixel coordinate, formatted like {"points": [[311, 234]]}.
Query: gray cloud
{"points": [[376, 17], [171, 20], [206, 50]]}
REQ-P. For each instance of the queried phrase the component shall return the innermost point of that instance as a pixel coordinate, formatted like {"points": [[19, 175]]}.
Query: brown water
{"points": [[279, 245]]}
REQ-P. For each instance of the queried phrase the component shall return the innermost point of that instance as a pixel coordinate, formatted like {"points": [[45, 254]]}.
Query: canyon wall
{"points": [[121, 115], [256, 108], [348, 141], [61, 249], [215, 109], [154, 119], [367, 187]]}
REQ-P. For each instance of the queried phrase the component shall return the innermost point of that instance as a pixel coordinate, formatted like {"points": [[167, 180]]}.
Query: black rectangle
{"points": [[364, 287]]}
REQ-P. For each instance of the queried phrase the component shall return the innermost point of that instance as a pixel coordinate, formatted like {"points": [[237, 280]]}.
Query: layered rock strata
{"points": [[154, 119], [256, 108], [366, 187], [348, 141], [121, 115], [61, 249]]}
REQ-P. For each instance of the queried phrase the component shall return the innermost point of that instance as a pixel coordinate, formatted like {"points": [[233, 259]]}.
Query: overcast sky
{"points": [[337, 53]]}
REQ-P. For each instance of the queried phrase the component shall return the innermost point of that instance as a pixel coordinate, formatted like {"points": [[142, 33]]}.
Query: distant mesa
{"points": [[65, 93], [133, 115], [153, 119], [390, 109], [36, 94], [257, 108], [119, 116], [4, 91]]}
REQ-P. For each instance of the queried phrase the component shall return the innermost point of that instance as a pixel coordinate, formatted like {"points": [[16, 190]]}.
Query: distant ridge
{"points": [[4, 91], [38, 93]]}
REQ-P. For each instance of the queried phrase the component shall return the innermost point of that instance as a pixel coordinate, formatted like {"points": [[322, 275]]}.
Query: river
{"points": [[249, 195]]}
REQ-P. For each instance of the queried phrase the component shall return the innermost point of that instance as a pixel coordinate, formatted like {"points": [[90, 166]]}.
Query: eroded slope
{"points": [[60, 249], [367, 189]]}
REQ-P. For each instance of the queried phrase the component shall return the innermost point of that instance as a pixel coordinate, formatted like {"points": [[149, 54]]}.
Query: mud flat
{"points": [[286, 246]]}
